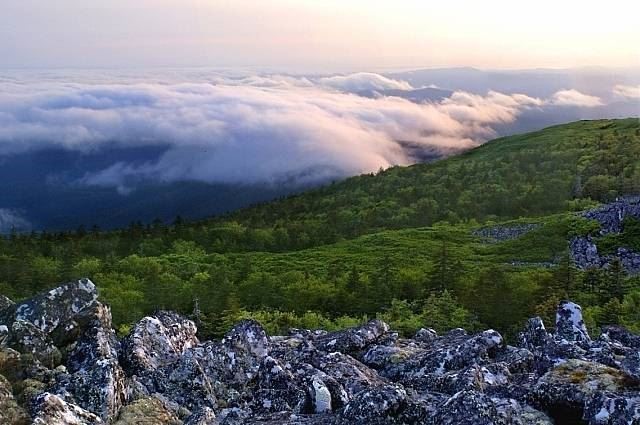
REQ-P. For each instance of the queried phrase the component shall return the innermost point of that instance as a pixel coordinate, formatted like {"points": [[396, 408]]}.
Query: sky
{"points": [[318, 36]]}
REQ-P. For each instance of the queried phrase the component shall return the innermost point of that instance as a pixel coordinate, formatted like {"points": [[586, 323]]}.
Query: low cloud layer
{"points": [[630, 92], [363, 81], [575, 98], [11, 219], [251, 129]]}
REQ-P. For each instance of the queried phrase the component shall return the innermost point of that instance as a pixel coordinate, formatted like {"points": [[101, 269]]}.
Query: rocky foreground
{"points": [[61, 363]]}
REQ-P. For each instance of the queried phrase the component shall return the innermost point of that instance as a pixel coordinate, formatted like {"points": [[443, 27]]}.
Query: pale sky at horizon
{"points": [[327, 35]]}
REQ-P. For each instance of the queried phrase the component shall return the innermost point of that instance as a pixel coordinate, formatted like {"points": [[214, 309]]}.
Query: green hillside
{"points": [[408, 243], [534, 174]]}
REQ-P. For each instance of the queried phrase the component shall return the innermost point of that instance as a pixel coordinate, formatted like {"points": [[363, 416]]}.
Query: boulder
{"points": [[425, 335], [631, 366], [204, 416], [474, 408]]}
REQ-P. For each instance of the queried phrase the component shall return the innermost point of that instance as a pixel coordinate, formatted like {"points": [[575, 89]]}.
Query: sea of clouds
{"points": [[222, 127]]}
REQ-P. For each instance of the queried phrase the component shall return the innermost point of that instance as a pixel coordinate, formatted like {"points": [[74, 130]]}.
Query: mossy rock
{"points": [[589, 377], [28, 389], [146, 411], [10, 411]]}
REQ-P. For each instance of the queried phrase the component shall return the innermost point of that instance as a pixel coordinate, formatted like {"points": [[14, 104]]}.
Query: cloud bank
{"points": [[251, 128]]}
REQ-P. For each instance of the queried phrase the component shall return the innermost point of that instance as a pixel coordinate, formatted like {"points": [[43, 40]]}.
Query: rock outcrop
{"points": [[610, 217], [63, 364], [505, 232]]}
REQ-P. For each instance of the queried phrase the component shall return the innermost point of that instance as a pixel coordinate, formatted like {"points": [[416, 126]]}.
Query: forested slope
{"points": [[409, 244]]}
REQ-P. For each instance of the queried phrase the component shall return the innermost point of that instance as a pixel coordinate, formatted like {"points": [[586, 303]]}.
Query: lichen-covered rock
{"points": [[163, 357], [146, 411], [517, 360], [566, 389], [534, 335], [467, 408], [49, 409], [96, 382], [243, 348], [52, 308], [353, 340], [622, 336], [4, 336], [157, 342], [607, 408], [447, 353], [380, 405], [28, 338], [10, 412], [425, 335], [205, 416], [277, 390], [569, 323], [352, 375], [631, 366], [474, 408], [27, 390]]}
